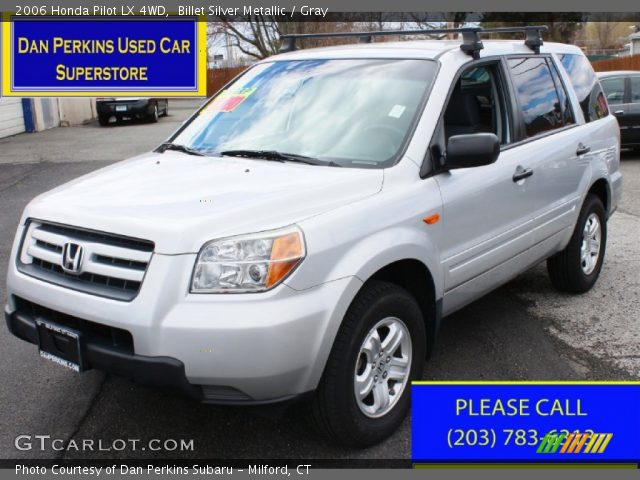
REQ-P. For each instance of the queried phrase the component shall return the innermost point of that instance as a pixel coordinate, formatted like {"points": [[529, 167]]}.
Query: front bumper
{"points": [[155, 371], [262, 347], [136, 108]]}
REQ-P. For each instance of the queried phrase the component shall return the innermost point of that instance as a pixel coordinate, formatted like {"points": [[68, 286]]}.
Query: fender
{"points": [[347, 242]]}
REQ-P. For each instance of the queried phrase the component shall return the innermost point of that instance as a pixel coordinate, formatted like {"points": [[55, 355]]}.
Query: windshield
{"points": [[351, 113]]}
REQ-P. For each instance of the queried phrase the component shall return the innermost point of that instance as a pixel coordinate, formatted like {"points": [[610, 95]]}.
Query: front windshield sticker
{"points": [[227, 101], [397, 111]]}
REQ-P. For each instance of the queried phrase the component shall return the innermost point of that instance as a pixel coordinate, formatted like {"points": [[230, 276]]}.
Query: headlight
{"points": [[248, 263]]}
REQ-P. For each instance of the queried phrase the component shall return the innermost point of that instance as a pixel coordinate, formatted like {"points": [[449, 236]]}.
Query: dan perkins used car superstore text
{"points": [[151, 469]]}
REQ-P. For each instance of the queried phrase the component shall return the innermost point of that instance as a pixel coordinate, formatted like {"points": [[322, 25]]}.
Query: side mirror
{"points": [[473, 150]]}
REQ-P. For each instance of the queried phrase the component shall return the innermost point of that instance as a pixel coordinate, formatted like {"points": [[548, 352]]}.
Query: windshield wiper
{"points": [[179, 148], [276, 156]]}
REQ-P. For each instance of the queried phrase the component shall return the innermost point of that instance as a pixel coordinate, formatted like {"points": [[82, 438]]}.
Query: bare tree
{"points": [[376, 21], [605, 33], [563, 26], [450, 20], [605, 27], [214, 35], [257, 36]]}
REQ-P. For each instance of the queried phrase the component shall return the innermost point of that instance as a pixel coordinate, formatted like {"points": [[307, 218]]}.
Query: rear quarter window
{"points": [[586, 85]]}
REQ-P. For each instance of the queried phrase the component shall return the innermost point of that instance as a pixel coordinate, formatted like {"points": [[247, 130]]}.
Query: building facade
{"points": [[18, 115]]}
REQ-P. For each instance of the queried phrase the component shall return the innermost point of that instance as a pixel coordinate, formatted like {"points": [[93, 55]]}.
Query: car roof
{"points": [[617, 73], [427, 49]]}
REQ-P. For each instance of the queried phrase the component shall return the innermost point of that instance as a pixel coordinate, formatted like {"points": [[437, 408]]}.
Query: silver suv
{"points": [[305, 232]]}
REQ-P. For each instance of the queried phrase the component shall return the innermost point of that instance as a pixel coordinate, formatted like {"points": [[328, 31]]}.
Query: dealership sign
{"points": [[47, 56]]}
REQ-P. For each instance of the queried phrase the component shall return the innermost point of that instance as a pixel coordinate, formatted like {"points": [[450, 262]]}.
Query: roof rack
{"points": [[471, 43]]}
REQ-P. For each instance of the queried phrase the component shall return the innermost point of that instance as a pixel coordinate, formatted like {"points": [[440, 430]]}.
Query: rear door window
{"points": [[540, 104], [567, 113]]}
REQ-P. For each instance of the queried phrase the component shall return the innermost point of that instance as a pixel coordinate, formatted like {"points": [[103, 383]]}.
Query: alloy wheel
{"points": [[383, 367], [590, 248]]}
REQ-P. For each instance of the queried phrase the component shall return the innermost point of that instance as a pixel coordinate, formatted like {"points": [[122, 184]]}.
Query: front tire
{"points": [[364, 394], [577, 267], [154, 115]]}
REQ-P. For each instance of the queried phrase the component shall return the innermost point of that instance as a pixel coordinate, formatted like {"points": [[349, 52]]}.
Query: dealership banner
{"points": [[46, 56], [525, 422]]}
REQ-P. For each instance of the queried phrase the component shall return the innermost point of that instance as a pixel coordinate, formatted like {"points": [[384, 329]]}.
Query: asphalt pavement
{"points": [[523, 331]]}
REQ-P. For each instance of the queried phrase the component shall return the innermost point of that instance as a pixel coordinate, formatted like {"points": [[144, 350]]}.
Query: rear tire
{"points": [[577, 267], [359, 363], [103, 120]]}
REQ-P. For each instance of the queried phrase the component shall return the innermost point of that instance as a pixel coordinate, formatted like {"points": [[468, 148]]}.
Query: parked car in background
{"points": [[622, 89], [131, 107]]}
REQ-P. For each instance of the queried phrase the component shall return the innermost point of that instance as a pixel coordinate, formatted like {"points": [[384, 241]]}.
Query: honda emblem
{"points": [[72, 257]]}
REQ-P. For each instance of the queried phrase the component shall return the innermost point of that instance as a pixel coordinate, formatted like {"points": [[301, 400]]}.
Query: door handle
{"points": [[582, 149], [619, 112], [522, 173]]}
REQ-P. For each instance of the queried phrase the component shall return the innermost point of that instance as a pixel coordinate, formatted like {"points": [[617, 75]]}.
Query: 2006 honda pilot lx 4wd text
{"points": [[305, 231]]}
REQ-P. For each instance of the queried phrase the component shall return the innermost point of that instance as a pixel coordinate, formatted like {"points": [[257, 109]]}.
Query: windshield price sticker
{"points": [[525, 422], [228, 101]]}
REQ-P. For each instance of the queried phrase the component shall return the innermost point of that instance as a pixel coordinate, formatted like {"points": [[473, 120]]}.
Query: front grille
{"points": [[121, 263], [90, 278], [49, 246], [93, 332], [97, 237], [112, 266]]}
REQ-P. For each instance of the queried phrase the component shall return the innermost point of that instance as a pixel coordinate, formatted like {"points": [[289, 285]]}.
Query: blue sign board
{"points": [[100, 56], [494, 422]]}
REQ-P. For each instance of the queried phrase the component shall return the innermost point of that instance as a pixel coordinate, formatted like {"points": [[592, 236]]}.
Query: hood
{"points": [[181, 201]]}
